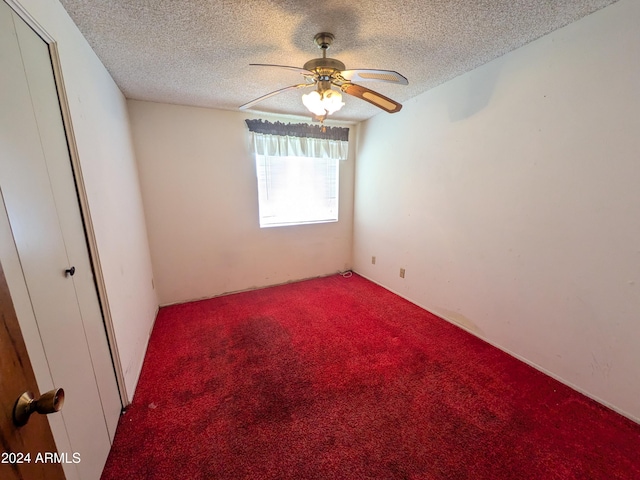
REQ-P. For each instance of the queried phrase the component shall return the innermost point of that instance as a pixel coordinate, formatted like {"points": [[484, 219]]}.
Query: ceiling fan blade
{"points": [[372, 97], [366, 75], [276, 92], [295, 69]]}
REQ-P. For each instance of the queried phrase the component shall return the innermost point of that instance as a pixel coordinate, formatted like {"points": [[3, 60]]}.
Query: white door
{"points": [[41, 219]]}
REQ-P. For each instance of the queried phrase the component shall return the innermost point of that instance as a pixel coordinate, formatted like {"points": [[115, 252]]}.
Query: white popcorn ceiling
{"points": [[197, 52]]}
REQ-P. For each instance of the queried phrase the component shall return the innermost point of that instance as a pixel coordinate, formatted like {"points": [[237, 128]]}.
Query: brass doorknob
{"points": [[26, 404]]}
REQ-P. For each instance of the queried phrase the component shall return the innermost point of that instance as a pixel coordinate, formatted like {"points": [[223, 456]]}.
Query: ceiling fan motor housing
{"points": [[324, 66]]}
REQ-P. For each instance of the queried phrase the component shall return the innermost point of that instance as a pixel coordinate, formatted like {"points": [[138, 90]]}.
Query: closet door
{"points": [[53, 264]]}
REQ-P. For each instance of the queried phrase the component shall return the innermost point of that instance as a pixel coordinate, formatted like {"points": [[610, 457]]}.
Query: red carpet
{"points": [[337, 378]]}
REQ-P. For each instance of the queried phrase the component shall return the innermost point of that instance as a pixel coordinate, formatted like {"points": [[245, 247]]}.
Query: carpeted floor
{"points": [[337, 378]]}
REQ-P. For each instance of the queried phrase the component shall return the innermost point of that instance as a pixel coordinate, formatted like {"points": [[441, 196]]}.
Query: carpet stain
{"points": [[279, 383], [457, 318]]}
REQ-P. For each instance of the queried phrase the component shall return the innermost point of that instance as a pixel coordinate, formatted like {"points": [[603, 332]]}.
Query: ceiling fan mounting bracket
{"points": [[324, 40]]}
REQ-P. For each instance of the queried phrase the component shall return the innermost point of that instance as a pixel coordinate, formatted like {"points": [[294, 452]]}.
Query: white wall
{"points": [[200, 195], [101, 126], [511, 196]]}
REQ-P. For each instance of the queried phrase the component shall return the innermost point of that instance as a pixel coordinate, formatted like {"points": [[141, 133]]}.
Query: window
{"points": [[297, 190], [298, 167]]}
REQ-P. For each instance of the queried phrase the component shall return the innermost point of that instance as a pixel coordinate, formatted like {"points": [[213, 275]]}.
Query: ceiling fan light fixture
{"points": [[331, 80], [325, 103]]}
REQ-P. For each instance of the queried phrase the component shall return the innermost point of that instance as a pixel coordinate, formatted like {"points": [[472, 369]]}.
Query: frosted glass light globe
{"points": [[329, 102]]}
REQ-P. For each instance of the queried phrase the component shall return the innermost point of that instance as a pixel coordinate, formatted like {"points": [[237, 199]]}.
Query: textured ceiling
{"points": [[198, 52]]}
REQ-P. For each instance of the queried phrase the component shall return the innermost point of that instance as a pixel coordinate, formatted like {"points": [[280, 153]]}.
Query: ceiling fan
{"points": [[325, 73]]}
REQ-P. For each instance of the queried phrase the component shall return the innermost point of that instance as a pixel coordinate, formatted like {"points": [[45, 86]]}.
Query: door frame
{"points": [[83, 201]]}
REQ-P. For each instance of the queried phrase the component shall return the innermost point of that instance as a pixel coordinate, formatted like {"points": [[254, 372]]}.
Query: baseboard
{"points": [[251, 289], [138, 370]]}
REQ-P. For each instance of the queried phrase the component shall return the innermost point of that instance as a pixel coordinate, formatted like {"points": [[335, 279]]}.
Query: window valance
{"points": [[298, 130], [298, 140]]}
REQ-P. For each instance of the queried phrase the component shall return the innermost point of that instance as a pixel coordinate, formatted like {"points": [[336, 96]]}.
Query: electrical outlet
{"points": [[402, 273], [373, 260]]}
